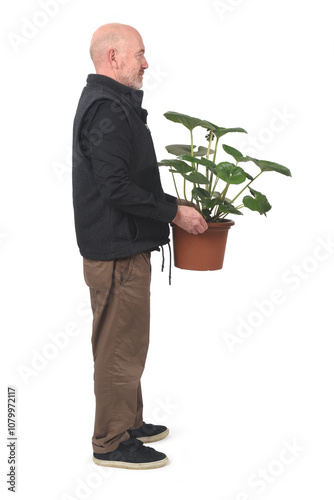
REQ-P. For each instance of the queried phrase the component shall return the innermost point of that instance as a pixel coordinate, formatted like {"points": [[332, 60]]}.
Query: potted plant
{"points": [[205, 183]]}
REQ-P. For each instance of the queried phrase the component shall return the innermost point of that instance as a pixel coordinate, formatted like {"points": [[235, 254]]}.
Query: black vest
{"points": [[104, 232]]}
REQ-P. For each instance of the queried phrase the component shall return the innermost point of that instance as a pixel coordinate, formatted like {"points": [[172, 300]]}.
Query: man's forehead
{"points": [[137, 42]]}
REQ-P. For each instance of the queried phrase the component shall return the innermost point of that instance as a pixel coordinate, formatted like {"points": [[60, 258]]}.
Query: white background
{"points": [[232, 406]]}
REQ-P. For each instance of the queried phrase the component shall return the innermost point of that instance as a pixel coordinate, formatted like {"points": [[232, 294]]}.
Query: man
{"points": [[121, 215]]}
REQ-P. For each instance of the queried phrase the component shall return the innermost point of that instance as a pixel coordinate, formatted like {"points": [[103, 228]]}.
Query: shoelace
{"points": [[147, 426], [133, 445]]}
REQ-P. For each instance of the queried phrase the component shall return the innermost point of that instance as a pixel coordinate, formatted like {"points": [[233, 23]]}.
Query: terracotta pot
{"points": [[201, 252]]}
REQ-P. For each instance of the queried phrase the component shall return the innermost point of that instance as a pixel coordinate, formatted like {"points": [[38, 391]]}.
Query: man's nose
{"points": [[145, 63]]}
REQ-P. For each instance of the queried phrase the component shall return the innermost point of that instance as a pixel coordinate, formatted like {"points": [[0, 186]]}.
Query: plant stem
{"points": [[177, 193], [218, 216], [223, 194], [246, 187], [215, 185], [215, 153], [214, 160], [184, 180], [184, 191], [209, 147]]}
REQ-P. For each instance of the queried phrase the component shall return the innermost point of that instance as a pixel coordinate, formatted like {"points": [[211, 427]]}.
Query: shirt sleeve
{"points": [[170, 198], [107, 134]]}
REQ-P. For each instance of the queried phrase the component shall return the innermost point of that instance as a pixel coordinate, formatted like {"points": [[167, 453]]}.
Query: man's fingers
{"points": [[190, 219], [200, 229], [202, 225]]}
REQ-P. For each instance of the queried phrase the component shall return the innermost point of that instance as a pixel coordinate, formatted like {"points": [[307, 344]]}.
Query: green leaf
{"points": [[220, 131], [196, 178], [258, 202], [206, 213], [202, 151], [179, 166], [238, 156], [189, 122], [227, 208], [201, 161], [200, 193], [230, 210], [230, 173], [233, 152], [179, 149], [267, 166], [208, 203], [185, 149], [208, 125]]}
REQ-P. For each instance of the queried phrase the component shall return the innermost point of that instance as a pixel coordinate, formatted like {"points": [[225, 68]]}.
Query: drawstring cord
{"points": [[163, 259], [170, 262]]}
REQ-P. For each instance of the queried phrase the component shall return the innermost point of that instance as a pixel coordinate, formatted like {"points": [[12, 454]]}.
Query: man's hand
{"points": [[190, 220]]}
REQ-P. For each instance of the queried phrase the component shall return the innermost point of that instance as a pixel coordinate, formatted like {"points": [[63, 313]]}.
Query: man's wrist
{"points": [[166, 211]]}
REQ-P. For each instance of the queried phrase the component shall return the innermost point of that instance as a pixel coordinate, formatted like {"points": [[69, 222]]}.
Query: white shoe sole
{"points": [[131, 465]]}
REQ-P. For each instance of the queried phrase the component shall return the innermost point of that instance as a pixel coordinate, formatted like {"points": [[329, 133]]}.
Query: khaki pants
{"points": [[120, 299]]}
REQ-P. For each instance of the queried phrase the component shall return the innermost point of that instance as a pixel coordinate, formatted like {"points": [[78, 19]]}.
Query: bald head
{"points": [[108, 36], [117, 51]]}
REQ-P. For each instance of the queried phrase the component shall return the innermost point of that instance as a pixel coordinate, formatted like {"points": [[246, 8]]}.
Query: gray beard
{"points": [[132, 82], [135, 85]]}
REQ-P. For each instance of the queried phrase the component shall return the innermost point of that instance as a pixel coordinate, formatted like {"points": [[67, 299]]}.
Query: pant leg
{"points": [[139, 415], [120, 298]]}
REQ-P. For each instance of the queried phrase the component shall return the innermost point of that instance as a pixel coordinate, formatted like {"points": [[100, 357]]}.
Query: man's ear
{"points": [[113, 58]]}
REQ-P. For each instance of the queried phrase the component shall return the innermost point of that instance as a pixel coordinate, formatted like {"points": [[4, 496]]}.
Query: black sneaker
{"points": [[131, 454], [148, 433]]}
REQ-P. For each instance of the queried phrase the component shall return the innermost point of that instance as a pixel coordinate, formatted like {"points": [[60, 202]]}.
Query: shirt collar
{"points": [[133, 96]]}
